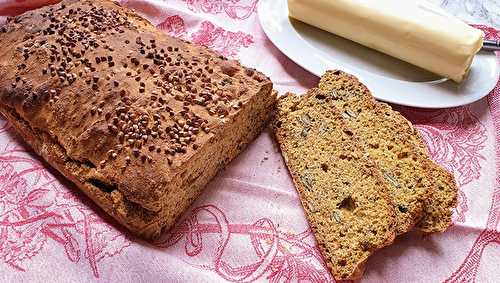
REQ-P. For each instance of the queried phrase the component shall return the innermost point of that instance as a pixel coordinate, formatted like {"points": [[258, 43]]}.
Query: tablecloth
{"points": [[248, 225]]}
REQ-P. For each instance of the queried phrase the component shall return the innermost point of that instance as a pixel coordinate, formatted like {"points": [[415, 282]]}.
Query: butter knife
{"points": [[491, 45]]}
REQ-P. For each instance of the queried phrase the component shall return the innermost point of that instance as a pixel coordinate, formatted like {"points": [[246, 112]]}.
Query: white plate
{"points": [[389, 79]]}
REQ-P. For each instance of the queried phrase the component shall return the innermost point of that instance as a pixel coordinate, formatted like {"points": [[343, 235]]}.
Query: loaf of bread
{"points": [[423, 193], [343, 192], [138, 120]]}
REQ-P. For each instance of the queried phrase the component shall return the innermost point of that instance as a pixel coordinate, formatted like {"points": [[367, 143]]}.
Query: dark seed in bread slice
{"points": [[344, 195]]}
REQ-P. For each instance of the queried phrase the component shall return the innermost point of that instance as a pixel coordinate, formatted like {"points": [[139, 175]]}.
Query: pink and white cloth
{"points": [[248, 225]]}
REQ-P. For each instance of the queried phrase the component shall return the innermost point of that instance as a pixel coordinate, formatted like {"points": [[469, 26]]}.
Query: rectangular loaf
{"points": [[136, 119]]}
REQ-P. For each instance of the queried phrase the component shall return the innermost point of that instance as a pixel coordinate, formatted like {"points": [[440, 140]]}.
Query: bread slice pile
{"points": [[362, 171]]}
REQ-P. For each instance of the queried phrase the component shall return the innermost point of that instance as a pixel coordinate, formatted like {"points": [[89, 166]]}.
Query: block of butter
{"points": [[411, 30]]}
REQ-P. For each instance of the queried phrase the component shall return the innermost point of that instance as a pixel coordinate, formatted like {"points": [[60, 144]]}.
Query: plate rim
{"points": [[366, 77]]}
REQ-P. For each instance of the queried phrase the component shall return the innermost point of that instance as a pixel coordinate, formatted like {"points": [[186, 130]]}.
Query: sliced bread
{"points": [[385, 134], [423, 192], [344, 194], [439, 208]]}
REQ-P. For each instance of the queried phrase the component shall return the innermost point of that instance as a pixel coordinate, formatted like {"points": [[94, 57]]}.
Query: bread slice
{"points": [[422, 191], [439, 208], [385, 135], [343, 193]]}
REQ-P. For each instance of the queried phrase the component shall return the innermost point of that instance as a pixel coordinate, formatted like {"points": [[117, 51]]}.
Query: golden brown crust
{"points": [[133, 110]]}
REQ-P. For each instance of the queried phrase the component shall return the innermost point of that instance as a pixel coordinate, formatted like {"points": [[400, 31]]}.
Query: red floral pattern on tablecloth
{"points": [[468, 270], [281, 256], [225, 42], [40, 215], [174, 26], [36, 208], [455, 139], [235, 9]]}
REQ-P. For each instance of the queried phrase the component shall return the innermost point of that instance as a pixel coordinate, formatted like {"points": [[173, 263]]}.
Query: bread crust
{"points": [[137, 119]]}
